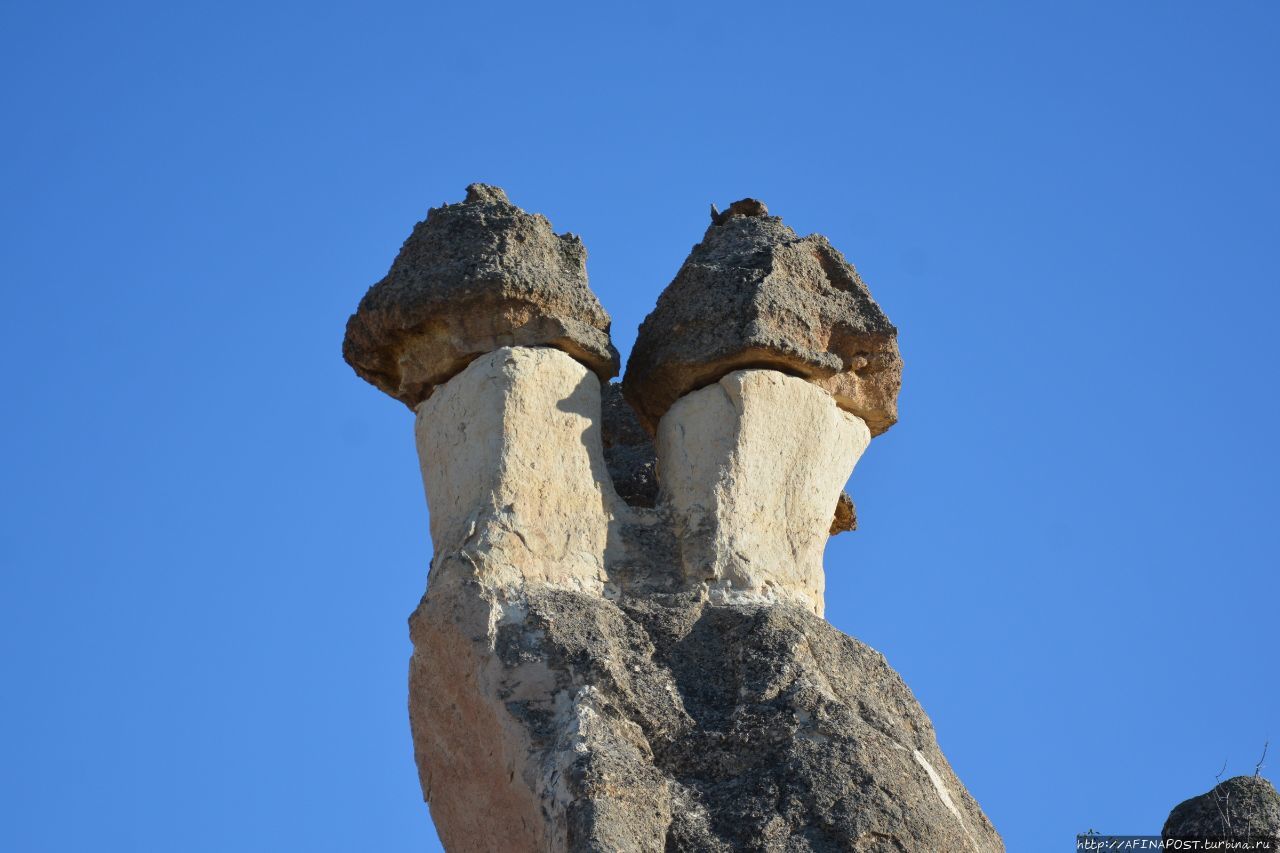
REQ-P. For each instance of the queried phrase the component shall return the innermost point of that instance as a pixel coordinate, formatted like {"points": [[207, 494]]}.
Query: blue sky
{"points": [[213, 532]]}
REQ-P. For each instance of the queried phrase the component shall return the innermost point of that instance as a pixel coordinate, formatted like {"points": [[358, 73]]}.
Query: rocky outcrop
{"points": [[621, 646], [473, 277], [1246, 808], [754, 294], [667, 723]]}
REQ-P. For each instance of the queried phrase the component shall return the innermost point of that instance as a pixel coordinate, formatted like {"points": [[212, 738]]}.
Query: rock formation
{"points": [[471, 278], [1246, 808], [621, 645], [753, 294]]}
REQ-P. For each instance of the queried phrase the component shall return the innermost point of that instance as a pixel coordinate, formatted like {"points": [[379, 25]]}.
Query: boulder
{"points": [[473, 277], [754, 294], [1246, 808]]}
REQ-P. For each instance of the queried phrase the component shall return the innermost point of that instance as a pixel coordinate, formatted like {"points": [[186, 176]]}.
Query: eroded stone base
{"points": [[671, 724]]}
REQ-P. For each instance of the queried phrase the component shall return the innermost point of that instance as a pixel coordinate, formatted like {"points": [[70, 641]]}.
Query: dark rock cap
{"points": [[1246, 808], [754, 294], [473, 277]]}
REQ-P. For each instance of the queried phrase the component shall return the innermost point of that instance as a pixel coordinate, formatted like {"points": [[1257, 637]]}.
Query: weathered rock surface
{"points": [[846, 517], [1246, 808], [514, 471], [754, 294], [670, 724], [751, 467], [473, 277]]}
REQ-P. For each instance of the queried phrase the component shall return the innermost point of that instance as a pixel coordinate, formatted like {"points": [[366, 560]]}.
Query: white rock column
{"points": [[752, 468], [514, 472]]}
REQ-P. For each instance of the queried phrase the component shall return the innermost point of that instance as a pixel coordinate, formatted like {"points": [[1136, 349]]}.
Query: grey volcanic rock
{"points": [[473, 277], [628, 449], [754, 294], [663, 723], [1246, 808]]}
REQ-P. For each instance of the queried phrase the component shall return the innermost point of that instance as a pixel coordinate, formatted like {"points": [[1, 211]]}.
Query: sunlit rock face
{"points": [[751, 468], [514, 471], [646, 671]]}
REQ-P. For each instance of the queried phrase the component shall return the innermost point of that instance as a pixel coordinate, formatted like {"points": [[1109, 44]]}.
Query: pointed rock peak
{"points": [[741, 207], [486, 194]]}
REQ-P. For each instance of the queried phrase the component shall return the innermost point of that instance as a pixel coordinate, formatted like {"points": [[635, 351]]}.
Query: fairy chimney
{"points": [[621, 644]]}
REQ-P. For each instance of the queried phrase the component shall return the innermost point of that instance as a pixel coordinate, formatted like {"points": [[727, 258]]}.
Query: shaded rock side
{"points": [[754, 294], [473, 277], [668, 724], [1246, 808], [628, 449]]}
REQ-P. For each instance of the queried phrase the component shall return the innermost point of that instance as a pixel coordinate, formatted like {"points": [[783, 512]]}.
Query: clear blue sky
{"points": [[213, 532]]}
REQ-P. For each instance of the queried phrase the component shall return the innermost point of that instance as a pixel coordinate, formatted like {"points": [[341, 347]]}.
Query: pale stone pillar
{"points": [[514, 472], [751, 467]]}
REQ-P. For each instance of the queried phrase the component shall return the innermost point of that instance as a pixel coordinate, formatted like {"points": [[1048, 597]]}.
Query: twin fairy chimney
{"points": [[621, 645]]}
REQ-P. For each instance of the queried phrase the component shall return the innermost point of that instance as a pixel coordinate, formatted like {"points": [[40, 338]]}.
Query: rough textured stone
{"points": [[514, 471], [754, 294], [473, 277], [751, 468], [667, 723], [1246, 808], [846, 517]]}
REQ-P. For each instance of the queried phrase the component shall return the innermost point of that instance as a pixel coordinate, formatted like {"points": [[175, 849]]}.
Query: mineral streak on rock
{"points": [[754, 294], [1246, 808], [475, 276]]}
